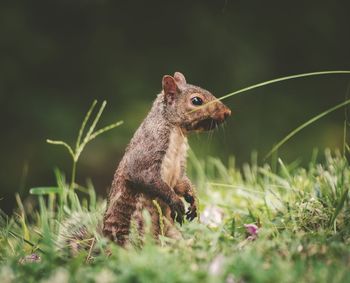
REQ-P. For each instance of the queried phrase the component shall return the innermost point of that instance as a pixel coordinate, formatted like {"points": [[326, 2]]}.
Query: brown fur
{"points": [[153, 166]]}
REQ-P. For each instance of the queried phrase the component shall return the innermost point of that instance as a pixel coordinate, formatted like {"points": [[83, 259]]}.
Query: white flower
{"points": [[212, 216]]}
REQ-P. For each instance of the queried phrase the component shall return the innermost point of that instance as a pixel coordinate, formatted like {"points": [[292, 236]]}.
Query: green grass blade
{"points": [[340, 206], [15, 235], [93, 125], [63, 144], [83, 125], [309, 122], [344, 137], [88, 135], [320, 73], [105, 129], [283, 79], [160, 215], [92, 196], [284, 170], [22, 217], [44, 190]]}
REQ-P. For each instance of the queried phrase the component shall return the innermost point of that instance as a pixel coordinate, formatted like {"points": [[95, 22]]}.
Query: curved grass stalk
{"points": [[291, 134], [283, 79], [311, 74], [304, 125]]}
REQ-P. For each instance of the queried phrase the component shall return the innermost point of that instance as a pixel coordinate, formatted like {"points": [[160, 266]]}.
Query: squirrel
{"points": [[154, 164]]}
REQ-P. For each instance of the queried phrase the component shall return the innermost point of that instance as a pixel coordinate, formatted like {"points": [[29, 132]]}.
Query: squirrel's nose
{"points": [[227, 113], [223, 114]]}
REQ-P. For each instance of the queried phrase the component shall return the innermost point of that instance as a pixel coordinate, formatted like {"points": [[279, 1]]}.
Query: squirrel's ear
{"points": [[169, 85], [180, 79]]}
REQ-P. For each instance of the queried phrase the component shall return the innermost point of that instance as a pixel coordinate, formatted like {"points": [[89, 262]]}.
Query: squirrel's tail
{"points": [[79, 231]]}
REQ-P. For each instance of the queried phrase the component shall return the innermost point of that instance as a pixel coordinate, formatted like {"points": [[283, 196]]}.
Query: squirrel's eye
{"points": [[197, 101]]}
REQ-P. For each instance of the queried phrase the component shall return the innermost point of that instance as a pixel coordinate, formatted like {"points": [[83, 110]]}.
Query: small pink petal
{"points": [[252, 229]]}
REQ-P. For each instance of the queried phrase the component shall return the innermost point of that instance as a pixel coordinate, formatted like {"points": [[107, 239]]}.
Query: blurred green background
{"points": [[57, 56]]}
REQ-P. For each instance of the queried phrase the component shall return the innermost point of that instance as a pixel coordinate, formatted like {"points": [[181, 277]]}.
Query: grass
{"points": [[302, 216], [81, 142]]}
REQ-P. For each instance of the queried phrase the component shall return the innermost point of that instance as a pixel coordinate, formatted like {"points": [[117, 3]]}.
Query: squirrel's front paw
{"points": [[191, 213], [177, 210], [192, 210]]}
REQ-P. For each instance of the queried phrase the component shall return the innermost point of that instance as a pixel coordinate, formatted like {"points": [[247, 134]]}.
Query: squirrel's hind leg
{"points": [[116, 225]]}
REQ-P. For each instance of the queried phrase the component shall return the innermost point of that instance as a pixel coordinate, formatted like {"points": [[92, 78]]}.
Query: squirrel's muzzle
{"points": [[224, 114], [221, 113], [218, 113]]}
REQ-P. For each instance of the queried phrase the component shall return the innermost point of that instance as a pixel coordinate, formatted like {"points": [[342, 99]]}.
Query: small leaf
{"points": [[44, 190]]}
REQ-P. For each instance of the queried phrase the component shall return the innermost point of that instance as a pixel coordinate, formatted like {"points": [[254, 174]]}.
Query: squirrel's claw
{"points": [[179, 218], [191, 213], [178, 211], [192, 210]]}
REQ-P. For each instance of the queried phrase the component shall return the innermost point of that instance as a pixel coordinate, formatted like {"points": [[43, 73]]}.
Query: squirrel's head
{"points": [[191, 107]]}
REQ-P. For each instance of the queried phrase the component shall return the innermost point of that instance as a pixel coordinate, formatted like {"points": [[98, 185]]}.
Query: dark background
{"points": [[57, 56]]}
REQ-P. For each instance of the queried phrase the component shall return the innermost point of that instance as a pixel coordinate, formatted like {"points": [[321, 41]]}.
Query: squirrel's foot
{"points": [[192, 210]]}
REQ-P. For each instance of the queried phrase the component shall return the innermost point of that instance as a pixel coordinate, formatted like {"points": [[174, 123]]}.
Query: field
{"points": [[302, 217], [262, 222], [273, 179]]}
